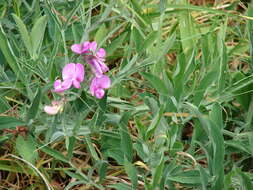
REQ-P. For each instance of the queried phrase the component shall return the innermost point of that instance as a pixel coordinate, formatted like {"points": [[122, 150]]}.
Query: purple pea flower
{"points": [[98, 84], [93, 56], [72, 74]]}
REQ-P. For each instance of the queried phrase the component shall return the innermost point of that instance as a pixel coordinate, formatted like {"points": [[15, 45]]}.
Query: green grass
{"points": [[177, 116]]}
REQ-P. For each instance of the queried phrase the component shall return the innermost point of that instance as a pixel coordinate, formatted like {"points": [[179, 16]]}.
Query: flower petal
{"points": [[85, 47], [103, 66], [66, 84], [77, 48], [58, 86], [101, 52], [93, 86], [51, 110], [103, 82], [100, 93], [76, 84], [79, 72], [95, 66], [68, 72], [93, 46], [98, 84]]}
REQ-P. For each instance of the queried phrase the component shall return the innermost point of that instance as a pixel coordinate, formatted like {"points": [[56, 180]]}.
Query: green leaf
{"points": [[156, 83], [216, 137], [240, 84], [150, 39], [70, 147], [158, 174], [187, 30], [126, 141], [163, 5], [246, 183], [137, 11], [240, 146], [102, 170], [91, 148], [216, 115], [222, 67], [185, 179], [24, 34], [9, 56], [167, 45], [138, 39], [115, 43], [4, 105], [15, 168], [208, 79], [54, 153], [249, 29], [37, 33], [203, 176], [131, 172], [140, 127], [35, 106], [26, 149], [100, 34], [120, 186], [155, 122], [10, 122], [242, 95]]}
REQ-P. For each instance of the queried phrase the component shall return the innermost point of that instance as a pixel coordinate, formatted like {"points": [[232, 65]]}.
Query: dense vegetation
{"points": [[175, 113]]}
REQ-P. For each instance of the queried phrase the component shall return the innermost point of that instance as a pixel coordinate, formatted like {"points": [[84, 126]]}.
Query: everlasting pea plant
{"points": [[73, 75]]}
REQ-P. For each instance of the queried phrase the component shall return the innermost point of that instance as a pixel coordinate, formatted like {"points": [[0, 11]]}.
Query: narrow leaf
{"points": [[35, 106], [37, 33], [9, 122], [126, 142], [24, 34]]}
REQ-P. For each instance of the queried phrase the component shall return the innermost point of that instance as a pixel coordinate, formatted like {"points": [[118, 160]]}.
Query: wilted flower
{"points": [[56, 106], [72, 74], [98, 84], [93, 56]]}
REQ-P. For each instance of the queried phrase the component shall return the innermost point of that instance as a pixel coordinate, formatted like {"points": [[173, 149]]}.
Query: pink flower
{"points": [[93, 56], [98, 84], [72, 74], [57, 106], [81, 48]]}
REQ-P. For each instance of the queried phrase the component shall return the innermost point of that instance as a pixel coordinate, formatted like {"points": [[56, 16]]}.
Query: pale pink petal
{"points": [[79, 72], [56, 103], [101, 53], [99, 93], [51, 110], [68, 72], [76, 84], [93, 46], [77, 48]]}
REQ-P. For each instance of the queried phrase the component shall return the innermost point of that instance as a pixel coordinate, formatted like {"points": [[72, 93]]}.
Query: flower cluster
{"points": [[73, 74]]}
